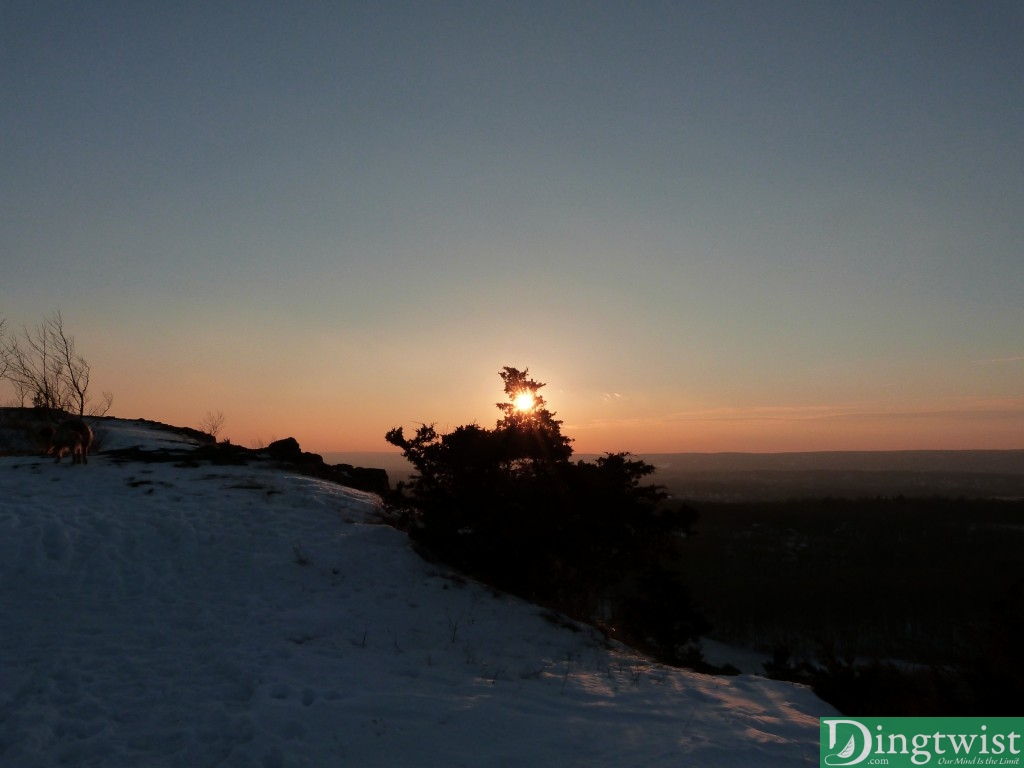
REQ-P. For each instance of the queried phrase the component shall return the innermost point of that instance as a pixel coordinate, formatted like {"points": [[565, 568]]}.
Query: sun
{"points": [[524, 401]]}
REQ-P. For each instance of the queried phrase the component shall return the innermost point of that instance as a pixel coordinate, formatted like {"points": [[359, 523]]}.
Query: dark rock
{"points": [[364, 478], [289, 453], [284, 450]]}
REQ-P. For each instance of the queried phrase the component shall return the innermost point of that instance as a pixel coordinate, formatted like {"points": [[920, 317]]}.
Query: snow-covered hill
{"points": [[162, 615]]}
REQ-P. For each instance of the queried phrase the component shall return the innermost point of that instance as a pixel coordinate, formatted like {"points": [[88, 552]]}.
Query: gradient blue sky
{"points": [[753, 226]]}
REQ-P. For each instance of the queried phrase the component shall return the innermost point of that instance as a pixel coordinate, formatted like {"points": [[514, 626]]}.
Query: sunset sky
{"points": [[708, 226]]}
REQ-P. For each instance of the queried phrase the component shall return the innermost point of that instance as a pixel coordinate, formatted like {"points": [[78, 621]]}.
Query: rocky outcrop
{"points": [[289, 453], [20, 435]]}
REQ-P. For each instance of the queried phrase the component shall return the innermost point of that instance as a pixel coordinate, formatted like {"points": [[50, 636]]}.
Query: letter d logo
{"points": [[845, 755]]}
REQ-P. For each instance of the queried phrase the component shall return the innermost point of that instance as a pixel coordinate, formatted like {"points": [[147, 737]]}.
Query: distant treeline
{"points": [[993, 462], [768, 485], [833, 591], [781, 476], [847, 474]]}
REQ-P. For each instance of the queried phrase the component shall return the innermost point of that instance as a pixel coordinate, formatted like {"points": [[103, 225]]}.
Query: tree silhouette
{"points": [[46, 369], [532, 434], [508, 506]]}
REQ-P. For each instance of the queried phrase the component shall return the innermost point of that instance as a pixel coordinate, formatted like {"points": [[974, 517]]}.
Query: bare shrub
{"points": [[212, 423], [47, 371]]}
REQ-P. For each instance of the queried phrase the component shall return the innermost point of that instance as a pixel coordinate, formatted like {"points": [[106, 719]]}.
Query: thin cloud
{"points": [[980, 409], [767, 413]]}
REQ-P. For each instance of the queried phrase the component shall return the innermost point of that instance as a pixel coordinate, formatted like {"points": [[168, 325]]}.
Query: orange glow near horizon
{"points": [[977, 430], [323, 419], [713, 432]]}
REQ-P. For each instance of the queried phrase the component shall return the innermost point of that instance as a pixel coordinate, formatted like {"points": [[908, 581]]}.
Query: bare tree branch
{"points": [[212, 423], [103, 407], [70, 368], [31, 369], [44, 366], [4, 355]]}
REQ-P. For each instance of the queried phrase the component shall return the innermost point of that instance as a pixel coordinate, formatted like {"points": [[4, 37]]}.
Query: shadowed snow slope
{"points": [[157, 615]]}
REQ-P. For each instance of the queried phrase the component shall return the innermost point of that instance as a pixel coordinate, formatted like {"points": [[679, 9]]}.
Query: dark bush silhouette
{"points": [[986, 681], [509, 506]]}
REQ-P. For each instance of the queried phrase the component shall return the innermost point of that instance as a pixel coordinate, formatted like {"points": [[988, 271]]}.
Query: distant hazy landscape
{"points": [[775, 476]]}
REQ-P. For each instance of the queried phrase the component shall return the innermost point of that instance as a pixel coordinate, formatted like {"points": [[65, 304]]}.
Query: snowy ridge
{"points": [[157, 615]]}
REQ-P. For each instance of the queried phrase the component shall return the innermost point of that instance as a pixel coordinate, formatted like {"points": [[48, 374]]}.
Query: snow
{"points": [[162, 615]]}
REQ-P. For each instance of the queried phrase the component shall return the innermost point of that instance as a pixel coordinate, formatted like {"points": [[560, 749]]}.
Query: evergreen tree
{"points": [[531, 432], [508, 506]]}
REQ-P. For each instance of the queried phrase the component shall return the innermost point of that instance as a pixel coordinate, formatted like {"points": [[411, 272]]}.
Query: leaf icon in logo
{"points": [[846, 757], [847, 750]]}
